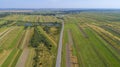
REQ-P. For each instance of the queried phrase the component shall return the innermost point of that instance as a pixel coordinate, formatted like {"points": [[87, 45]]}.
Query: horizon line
{"points": [[59, 8]]}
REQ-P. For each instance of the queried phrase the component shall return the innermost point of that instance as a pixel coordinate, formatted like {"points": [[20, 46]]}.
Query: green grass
{"points": [[15, 41], [16, 58], [65, 41], [10, 40], [112, 30], [30, 58], [10, 58], [85, 53], [1, 50], [109, 57], [92, 51], [98, 50]]}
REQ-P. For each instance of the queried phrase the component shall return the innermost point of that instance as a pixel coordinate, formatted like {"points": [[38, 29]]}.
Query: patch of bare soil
{"points": [[22, 60], [71, 60]]}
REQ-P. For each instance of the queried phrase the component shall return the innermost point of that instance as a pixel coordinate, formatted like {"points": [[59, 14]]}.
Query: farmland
{"points": [[90, 39], [95, 40], [23, 44]]}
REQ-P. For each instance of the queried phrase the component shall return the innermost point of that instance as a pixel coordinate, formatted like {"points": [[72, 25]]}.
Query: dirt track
{"points": [[22, 60], [68, 64], [71, 60], [70, 37]]}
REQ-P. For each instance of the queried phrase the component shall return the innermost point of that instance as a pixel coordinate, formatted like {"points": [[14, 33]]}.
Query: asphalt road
{"points": [[58, 60]]}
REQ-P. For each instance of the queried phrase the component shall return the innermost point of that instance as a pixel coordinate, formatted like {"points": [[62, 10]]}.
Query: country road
{"points": [[58, 60]]}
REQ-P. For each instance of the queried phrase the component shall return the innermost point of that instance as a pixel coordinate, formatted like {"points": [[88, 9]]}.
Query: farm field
{"points": [[23, 44], [85, 39], [95, 40]]}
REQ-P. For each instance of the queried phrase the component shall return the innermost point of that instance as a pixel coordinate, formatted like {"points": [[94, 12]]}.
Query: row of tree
{"points": [[36, 40]]}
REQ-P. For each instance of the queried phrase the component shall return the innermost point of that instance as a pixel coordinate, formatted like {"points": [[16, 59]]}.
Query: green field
{"points": [[90, 39], [93, 47]]}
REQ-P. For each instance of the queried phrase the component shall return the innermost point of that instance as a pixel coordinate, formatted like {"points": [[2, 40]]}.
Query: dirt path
{"points": [[22, 60], [70, 43], [58, 60], [68, 64], [25, 40], [70, 37], [71, 60]]}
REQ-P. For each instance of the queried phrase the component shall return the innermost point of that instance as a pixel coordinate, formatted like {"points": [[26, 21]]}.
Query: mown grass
{"points": [[10, 39], [15, 41], [16, 58], [10, 58], [108, 56], [92, 51], [65, 41], [112, 30], [85, 53]]}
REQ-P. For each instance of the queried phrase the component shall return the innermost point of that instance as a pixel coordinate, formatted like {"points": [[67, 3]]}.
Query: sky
{"points": [[60, 4]]}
